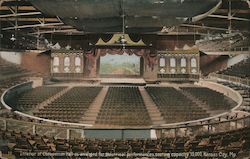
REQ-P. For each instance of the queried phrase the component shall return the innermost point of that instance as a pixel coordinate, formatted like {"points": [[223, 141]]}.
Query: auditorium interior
{"points": [[120, 79]]}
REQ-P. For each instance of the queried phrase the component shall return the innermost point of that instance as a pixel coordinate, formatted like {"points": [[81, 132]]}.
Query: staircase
{"points": [[152, 109], [91, 114]]}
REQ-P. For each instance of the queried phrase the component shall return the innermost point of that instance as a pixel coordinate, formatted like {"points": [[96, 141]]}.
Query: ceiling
{"points": [[130, 16], [141, 16], [49, 18]]}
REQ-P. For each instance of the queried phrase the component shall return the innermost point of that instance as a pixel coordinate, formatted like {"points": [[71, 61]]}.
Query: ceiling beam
{"points": [[31, 19], [56, 31], [31, 26], [58, 27], [20, 14], [204, 27], [20, 8], [238, 11], [228, 17], [183, 33]]}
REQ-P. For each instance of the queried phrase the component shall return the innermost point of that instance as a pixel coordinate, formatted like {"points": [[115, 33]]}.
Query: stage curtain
{"points": [[150, 58], [106, 37], [138, 52], [135, 37]]}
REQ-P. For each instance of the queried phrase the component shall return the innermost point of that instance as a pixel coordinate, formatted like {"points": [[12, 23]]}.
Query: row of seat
{"points": [[7, 83], [174, 106], [239, 70], [10, 75], [123, 106], [7, 68], [224, 43], [71, 106], [28, 100], [234, 141], [244, 92], [215, 100]]}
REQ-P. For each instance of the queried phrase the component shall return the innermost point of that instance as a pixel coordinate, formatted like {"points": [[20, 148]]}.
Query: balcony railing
{"points": [[231, 78]]}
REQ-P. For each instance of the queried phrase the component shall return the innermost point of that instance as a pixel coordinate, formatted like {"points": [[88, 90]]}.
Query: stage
{"points": [[123, 81], [101, 81]]}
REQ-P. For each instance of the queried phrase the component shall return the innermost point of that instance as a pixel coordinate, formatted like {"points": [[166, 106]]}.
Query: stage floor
{"points": [[130, 81], [102, 81]]}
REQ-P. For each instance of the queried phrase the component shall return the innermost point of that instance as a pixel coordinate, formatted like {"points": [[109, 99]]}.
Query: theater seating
{"points": [[235, 42], [71, 106], [237, 141], [10, 69], [7, 83], [244, 92], [174, 106], [10, 75], [239, 70], [215, 100], [28, 100], [123, 106]]}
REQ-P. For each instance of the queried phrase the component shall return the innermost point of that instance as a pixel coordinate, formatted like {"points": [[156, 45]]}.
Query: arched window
{"points": [[162, 62], [77, 61], [183, 62], [172, 62], [193, 62], [56, 61], [66, 61]]}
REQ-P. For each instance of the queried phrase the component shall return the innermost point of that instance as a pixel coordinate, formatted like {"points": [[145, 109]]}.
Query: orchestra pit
{"points": [[118, 79]]}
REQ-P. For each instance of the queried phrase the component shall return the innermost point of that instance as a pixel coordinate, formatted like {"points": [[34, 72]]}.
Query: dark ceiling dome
{"points": [[105, 16]]}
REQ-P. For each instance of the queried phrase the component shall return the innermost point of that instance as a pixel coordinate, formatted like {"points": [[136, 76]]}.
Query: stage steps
{"points": [[152, 109], [91, 114]]}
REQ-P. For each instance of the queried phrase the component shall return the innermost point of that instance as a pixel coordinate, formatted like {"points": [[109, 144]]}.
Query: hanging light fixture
{"points": [[50, 44], [68, 47], [13, 38], [122, 38], [230, 17], [230, 24]]}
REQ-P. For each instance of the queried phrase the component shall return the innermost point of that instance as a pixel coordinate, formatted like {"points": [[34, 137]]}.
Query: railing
{"points": [[231, 78], [236, 49], [177, 77], [18, 88], [222, 124], [228, 51]]}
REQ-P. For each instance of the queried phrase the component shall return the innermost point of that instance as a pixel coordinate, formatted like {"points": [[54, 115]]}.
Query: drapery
{"points": [[149, 56]]}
